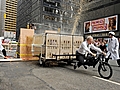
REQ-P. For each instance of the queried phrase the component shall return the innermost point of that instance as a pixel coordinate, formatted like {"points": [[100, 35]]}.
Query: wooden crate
{"points": [[38, 41], [56, 44], [51, 31], [65, 46], [52, 45], [77, 40], [26, 36], [36, 51]]}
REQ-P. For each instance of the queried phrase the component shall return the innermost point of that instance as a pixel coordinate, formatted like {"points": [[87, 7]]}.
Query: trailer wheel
{"points": [[40, 61], [43, 64], [68, 62], [48, 64]]}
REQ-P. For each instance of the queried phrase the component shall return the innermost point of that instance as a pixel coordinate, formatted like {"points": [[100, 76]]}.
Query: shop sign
{"points": [[101, 25]]}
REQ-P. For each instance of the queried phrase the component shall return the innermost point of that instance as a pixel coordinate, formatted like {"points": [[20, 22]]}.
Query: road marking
{"points": [[107, 80]]}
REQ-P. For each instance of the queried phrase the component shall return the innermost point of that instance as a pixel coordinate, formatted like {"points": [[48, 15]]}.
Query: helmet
{"points": [[111, 33]]}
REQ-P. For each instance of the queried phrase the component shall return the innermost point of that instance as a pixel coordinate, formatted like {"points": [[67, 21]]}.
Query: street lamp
{"points": [[61, 19]]}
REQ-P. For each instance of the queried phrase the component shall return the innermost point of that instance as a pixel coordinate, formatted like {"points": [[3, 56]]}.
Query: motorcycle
{"points": [[104, 68]]}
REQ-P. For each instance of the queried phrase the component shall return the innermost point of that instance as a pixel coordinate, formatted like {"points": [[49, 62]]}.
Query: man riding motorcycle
{"points": [[85, 48]]}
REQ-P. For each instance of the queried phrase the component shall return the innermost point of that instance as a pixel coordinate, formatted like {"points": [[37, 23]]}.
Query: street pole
{"points": [[61, 20]]}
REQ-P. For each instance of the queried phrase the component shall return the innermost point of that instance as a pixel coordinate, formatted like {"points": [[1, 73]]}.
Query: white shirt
{"points": [[84, 47], [1, 47]]}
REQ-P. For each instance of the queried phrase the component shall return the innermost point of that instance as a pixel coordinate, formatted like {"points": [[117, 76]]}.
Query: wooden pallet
{"points": [[10, 60], [18, 59]]}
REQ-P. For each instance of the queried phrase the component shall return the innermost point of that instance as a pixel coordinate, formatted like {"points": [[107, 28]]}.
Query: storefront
{"points": [[99, 28]]}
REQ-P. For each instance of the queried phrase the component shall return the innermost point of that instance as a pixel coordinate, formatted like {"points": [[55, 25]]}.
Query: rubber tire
{"points": [[68, 62], [111, 71], [40, 61], [43, 64], [118, 62]]}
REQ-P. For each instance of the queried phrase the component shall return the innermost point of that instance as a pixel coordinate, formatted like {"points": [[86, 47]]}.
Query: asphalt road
{"points": [[31, 76]]}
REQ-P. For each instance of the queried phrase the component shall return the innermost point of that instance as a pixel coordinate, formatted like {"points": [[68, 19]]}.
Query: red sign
{"points": [[98, 22], [103, 24]]}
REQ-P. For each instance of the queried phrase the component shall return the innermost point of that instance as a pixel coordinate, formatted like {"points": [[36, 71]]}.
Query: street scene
{"points": [[31, 76], [59, 45]]}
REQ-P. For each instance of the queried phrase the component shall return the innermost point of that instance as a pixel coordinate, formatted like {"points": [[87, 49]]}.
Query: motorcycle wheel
{"points": [[105, 70]]}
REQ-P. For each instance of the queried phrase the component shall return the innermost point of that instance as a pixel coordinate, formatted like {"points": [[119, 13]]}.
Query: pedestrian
{"points": [[118, 61], [106, 42], [97, 43], [119, 45], [85, 48], [2, 48], [113, 47], [103, 47]]}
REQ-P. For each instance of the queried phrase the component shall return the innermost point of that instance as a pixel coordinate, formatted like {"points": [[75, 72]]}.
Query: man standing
{"points": [[118, 61], [85, 48], [113, 46], [2, 48]]}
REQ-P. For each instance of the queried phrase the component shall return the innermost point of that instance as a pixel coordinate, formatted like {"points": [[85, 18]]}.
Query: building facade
{"points": [[97, 14], [11, 15], [47, 15], [2, 20]]}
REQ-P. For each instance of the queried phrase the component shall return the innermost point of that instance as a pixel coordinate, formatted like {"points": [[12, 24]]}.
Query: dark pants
{"points": [[4, 52], [119, 52], [80, 58]]}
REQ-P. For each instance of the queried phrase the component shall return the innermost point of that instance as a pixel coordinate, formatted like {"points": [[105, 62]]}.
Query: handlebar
{"points": [[102, 55]]}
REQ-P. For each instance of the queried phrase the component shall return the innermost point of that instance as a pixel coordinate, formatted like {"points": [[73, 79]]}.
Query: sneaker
{"points": [[75, 66], [106, 60], [85, 66], [118, 62], [78, 64], [6, 57]]}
